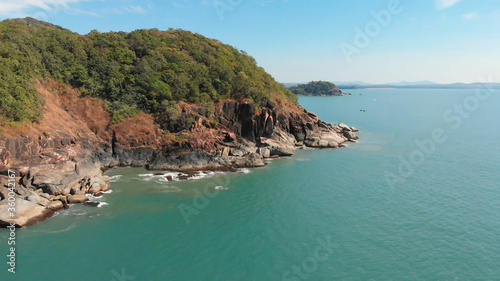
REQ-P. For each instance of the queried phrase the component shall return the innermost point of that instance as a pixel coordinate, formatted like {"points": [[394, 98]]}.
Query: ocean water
{"points": [[418, 198]]}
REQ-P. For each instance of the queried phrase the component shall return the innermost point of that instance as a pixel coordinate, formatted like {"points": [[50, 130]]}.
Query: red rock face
{"points": [[61, 158]]}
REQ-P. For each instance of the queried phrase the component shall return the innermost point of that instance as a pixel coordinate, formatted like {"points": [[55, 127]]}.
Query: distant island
{"points": [[317, 88], [418, 85]]}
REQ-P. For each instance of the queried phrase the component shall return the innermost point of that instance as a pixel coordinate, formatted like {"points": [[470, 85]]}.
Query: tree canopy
{"points": [[316, 88], [146, 69]]}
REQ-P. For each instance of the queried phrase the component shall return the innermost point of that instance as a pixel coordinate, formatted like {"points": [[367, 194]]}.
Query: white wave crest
{"points": [[220, 187], [115, 178]]}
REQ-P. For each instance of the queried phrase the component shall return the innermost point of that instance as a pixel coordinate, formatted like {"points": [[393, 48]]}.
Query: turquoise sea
{"points": [[418, 198]]}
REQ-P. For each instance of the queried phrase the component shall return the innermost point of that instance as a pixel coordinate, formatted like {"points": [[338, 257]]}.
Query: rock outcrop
{"points": [[26, 213], [60, 160]]}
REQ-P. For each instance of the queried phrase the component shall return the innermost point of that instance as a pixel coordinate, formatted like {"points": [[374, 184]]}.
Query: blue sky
{"points": [[298, 41]]}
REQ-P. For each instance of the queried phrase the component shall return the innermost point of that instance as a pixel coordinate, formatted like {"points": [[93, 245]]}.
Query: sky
{"points": [[444, 41]]}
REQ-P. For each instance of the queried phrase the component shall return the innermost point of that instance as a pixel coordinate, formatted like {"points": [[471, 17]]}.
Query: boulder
{"points": [[74, 191], [92, 204], [326, 138], [55, 205], [281, 143], [96, 187], [44, 202], [323, 143], [27, 213], [98, 180], [104, 187], [106, 178], [77, 198], [344, 127], [67, 190], [354, 129], [265, 152], [64, 201], [251, 160], [53, 174], [350, 135]]}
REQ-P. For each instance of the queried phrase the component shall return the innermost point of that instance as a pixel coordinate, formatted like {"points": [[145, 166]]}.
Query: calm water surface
{"points": [[382, 209]]}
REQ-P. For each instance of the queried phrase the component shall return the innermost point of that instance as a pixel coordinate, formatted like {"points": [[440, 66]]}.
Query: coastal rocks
{"points": [[49, 177], [276, 147], [348, 132], [329, 135], [22, 147], [326, 137], [27, 213], [60, 167], [350, 135], [55, 205], [264, 152], [74, 191], [344, 127], [186, 161], [51, 189], [4, 157], [281, 143], [64, 201], [95, 188], [44, 202], [97, 184], [35, 198], [253, 160], [4, 193]]}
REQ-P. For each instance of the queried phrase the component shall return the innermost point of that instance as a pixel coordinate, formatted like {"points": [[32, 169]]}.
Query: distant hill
{"points": [[405, 83], [420, 85], [317, 88]]}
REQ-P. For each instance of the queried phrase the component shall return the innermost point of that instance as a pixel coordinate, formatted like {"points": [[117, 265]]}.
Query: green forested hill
{"points": [[148, 70], [317, 88]]}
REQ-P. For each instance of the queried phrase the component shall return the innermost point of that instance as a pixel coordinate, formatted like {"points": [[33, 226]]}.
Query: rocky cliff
{"points": [[62, 158]]}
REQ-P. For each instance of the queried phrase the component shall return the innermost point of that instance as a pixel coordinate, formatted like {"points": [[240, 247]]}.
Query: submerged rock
{"points": [[92, 204]]}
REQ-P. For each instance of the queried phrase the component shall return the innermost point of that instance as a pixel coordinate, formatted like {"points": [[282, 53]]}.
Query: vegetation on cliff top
{"points": [[144, 70], [316, 88]]}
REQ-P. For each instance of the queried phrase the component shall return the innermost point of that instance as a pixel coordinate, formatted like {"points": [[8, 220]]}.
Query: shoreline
{"points": [[61, 159], [80, 172]]}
